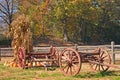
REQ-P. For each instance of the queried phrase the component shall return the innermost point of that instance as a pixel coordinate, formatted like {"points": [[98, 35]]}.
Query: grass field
{"points": [[9, 73]]}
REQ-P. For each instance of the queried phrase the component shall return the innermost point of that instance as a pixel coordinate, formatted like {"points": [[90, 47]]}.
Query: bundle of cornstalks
{"points": [[21, 34]]}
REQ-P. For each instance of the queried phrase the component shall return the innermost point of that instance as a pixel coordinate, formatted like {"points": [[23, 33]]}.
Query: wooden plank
{"points": [[112, 52], [44, 60]]}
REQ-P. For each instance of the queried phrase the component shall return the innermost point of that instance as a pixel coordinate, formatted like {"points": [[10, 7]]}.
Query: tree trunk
{"points": [[65, 35], [65, 30]]}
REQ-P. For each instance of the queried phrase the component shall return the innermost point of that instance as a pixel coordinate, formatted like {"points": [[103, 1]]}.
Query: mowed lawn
{"points": [[10, 73]]}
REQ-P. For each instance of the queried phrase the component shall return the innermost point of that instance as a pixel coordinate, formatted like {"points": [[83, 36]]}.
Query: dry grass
{"points": [[8, 73]]}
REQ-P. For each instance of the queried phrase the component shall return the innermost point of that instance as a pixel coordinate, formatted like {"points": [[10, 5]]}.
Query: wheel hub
{"points": [[69, 63]]}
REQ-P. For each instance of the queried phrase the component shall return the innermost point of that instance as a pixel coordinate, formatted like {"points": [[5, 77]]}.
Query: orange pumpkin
{"points": [[11, 64], [29, 64], [38, 63], [15, 65]]}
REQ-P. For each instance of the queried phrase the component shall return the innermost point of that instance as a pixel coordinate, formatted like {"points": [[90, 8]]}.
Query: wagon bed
{"points": [[45, 59], [69, 60]]}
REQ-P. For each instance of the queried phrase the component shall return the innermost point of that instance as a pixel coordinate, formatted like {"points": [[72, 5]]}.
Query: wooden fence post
{"points": [[112, 51], [76, 47]]}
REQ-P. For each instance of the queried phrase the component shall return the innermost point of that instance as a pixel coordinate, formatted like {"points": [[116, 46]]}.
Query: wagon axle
{"points": [[97, 60], [102, 64], [69, 60]]}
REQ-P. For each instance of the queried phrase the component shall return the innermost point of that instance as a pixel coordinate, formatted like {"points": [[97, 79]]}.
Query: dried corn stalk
{"points": [[21, 34]]}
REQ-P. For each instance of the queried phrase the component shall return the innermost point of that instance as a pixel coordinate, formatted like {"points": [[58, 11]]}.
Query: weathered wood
{"points": [[44, 60], [105, 64], [7, 52], [112, 52]]}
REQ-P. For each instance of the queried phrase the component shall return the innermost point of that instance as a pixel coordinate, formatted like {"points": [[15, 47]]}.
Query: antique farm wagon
{"points": [[69, 59]]}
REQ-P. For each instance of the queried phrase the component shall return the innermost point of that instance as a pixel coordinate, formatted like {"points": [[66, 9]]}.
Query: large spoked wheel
{"points": [[70, 62], [21, 57], [101, 60]]}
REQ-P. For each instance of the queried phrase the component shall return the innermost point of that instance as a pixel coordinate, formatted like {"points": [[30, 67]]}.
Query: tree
{"points": [[38, 12], [7, 10], [107, 16], [75, 20], [74, 16]]}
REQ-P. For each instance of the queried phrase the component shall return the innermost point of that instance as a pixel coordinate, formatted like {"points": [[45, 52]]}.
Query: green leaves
{"points": [[80, 19]]}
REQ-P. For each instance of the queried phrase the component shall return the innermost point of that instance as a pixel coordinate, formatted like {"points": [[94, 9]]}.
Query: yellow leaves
{"points": [[58, 12], [88, 1], [38, 30], [82, 0], [74, 1], [92, 8]]}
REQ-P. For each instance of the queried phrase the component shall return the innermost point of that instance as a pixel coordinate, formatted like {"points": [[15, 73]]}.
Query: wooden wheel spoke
{"points": [[102, 54], [71, 55], [99, 67], [92, 64], [67, 69], [64, 58], [103, 59], [71, 70], [96, 66], [74, 68], [106, 60], [63, 61], [73, 65], [74, 57], [70, 62], [102, 68], [75, 61]]}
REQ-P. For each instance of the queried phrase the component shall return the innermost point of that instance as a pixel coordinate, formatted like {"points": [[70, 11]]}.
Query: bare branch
{"points": [[5, 20], [3, 6], [3, 12], [12, 7], [7, 11]]}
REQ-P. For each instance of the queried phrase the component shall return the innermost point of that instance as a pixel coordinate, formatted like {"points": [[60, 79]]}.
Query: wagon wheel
{"points": [[101, 59], [70, 62], [21, 57], [55, 55]]}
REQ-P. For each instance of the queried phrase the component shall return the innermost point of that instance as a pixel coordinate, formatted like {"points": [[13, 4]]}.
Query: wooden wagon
{"points": [[69, 60], [37, 58]]}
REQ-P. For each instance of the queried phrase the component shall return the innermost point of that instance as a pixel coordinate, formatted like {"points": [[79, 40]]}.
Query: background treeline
{"points": [[79, 21]]}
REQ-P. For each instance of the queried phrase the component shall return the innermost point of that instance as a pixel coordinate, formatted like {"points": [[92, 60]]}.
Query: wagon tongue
{"points": [[105, 64]]}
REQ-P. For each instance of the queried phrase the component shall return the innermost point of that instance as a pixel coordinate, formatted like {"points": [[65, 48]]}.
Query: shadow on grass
{"points": [[98, 75]]}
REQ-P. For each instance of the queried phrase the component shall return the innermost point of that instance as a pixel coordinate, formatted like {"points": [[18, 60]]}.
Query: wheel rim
{"points": [[70, 62], [21, 58], [103, 58]]}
